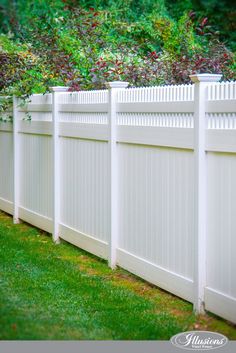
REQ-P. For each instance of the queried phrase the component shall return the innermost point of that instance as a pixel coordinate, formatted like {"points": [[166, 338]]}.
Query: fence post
{"points": [[56, 160], [113, 87], [201, 82], [15, 161]]}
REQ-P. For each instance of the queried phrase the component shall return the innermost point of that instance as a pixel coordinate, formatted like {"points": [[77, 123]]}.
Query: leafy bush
{"points": [[60, 43]]}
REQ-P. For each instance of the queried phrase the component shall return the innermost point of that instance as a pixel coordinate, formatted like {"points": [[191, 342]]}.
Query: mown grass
{"points": [[57, 292]]}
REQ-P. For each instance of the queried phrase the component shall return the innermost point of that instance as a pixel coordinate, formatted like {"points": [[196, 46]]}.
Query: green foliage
{"points": [[177, 37], [221, 15], [145, 42]]}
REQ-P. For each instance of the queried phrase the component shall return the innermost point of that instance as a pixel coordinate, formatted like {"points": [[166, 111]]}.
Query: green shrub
{"points": [[144, 42]]}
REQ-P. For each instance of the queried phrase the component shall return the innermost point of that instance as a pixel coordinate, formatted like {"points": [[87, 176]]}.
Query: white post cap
{"points": [[59, 89], [117, 84], [205, 78]]}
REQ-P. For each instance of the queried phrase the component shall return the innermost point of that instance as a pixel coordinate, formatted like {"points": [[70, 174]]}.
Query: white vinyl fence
{"points": [[143, 177]]}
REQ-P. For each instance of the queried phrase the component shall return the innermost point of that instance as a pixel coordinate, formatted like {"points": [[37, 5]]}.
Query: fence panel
{"points": [[6, 167], [85, 211], [156, 186], [35, 162], [220, 291]]}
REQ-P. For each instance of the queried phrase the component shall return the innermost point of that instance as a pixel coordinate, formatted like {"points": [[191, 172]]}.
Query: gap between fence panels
{"points": [[142, 177]]}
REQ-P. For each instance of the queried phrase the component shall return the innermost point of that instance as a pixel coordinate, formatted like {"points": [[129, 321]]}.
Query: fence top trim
{"points": [[205, 77], [117, 84], [59, 89]]}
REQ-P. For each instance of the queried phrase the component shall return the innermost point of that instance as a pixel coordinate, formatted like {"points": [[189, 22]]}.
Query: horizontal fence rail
{"points": [[142, 177]]}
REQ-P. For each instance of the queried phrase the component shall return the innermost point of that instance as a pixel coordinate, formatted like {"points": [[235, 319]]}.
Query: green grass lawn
{"points": [[57, 292]]}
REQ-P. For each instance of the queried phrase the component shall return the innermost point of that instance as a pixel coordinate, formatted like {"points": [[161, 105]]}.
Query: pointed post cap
{"points": [[59, 89], [117, 84], [205, 77]]}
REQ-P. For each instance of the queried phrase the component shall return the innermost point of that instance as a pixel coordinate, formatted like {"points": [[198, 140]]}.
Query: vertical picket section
{"points": [[15, 161], [113, 88], [201, 83], [56, 160]]}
